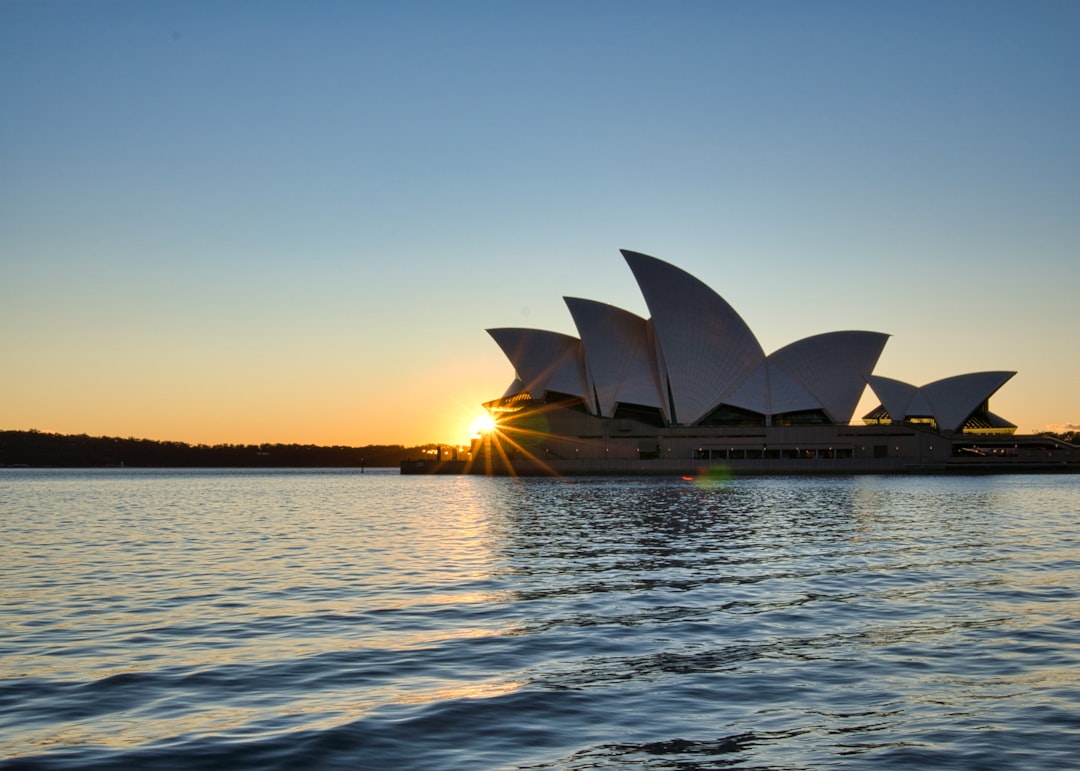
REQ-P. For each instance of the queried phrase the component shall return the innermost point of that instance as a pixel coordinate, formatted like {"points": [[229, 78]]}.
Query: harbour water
{"points": [[332, 619]]}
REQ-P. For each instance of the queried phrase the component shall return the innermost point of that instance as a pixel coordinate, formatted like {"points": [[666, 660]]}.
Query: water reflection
{"points": [[425, 621], [663, 532], [777, 592]]}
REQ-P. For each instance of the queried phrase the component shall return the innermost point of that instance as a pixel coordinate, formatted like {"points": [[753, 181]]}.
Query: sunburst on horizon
{"points": [[482, 424]]}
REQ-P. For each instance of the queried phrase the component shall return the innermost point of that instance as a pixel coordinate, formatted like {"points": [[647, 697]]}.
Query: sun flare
{"points": [[482, 424]]}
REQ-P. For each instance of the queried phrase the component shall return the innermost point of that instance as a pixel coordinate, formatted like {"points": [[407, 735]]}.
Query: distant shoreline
{"points": [[36, 449]]}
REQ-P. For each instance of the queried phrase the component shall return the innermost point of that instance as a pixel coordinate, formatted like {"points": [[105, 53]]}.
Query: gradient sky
{"points": [[292, 222]]}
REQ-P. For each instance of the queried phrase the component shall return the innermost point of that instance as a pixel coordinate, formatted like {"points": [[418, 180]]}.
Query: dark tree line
{"points": [[1071, 436], [34, 448]]}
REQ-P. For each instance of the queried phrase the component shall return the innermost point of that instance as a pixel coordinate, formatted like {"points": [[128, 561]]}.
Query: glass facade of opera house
{"points": [[690, 388]]}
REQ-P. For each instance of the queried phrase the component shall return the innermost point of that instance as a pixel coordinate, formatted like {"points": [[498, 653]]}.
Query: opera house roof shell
{"points": [[695, 362]]}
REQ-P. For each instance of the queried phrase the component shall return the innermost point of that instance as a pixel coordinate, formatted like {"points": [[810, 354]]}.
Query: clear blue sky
{"points": [[289, 221]]}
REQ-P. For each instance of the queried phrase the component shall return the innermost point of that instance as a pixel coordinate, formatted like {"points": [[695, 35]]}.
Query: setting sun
{"points": [[482, 424]]}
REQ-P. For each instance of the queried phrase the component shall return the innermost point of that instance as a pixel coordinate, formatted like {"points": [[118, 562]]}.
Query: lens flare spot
{"points": [[717, 475]]}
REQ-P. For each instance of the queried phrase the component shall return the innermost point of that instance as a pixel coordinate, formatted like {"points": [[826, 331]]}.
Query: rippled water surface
{"points": [[178, 619]]}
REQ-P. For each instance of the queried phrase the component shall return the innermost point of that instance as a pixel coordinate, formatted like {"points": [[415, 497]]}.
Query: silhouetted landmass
{"points": [[34, 448], [1072, 437]]}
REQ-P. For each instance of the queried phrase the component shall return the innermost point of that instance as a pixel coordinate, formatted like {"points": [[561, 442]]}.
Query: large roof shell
{"points": [[753, 391], [620, 364], [955, 398], [544, 361], [823, 372], [831, 367], [895, 395], [706, 347]]}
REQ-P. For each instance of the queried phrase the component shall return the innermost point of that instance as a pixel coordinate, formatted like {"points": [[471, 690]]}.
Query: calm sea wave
{"points": [[245, 619]]}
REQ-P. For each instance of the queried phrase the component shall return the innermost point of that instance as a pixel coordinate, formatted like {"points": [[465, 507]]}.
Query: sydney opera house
{"points": [[691, 389]]}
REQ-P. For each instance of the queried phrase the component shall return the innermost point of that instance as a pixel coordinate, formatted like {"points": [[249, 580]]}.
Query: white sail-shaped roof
{"points": [[949, 401], [619, 363], [919, 406], [544, 361], [695, 355], [706, 347], [786, 393], [831, 367], [895, 395], [955, 398], [753, 392]]}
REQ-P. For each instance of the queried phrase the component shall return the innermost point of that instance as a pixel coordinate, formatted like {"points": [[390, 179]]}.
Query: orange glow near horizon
{"points": [[339, 418]]}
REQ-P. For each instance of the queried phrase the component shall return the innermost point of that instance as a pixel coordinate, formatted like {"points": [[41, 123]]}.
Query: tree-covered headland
{"points": [[41, 449]]}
